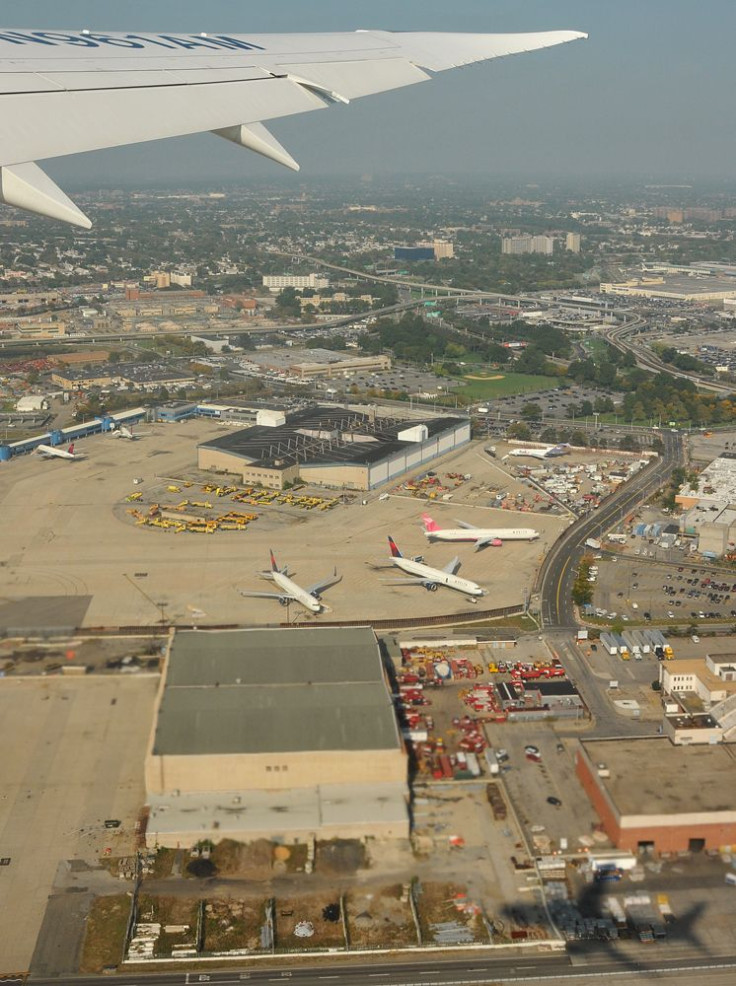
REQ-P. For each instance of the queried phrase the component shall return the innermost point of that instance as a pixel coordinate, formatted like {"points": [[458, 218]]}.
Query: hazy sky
{"points": [[650, 93]]}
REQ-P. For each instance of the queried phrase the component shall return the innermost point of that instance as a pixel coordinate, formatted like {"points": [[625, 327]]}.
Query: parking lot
{"points": [[554, 403], [72, 757], [635, 590]]}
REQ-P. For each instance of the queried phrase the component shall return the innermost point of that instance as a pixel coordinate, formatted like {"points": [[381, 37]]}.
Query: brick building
{"points": [[653, 796]]}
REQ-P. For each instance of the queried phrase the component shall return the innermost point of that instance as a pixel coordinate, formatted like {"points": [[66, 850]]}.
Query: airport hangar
{"points": [[651, 795], [334, 447], [282, 734]]}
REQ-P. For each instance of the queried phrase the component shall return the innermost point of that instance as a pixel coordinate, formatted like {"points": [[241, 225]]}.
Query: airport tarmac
{"points": [[72, 757], [67, 534]]}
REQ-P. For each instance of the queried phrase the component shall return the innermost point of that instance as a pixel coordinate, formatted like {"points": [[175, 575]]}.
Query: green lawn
{"points": [[508, 383]]}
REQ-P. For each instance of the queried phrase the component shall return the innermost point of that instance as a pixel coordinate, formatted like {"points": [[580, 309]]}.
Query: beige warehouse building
{"points": [[278, 734]]}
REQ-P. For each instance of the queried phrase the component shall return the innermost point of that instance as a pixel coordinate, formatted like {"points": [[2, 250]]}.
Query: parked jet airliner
{"points": [[429, 577], [52, 452], [65, 92], [291, 592], [481, 535], [545, 452]]}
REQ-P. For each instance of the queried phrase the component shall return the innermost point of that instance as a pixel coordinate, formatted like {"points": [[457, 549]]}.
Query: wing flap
{"points": [[145, 78], [41, 125], [353, 79]]}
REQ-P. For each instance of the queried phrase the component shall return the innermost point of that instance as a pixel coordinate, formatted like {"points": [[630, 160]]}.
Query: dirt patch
{"points": [[105, 933], [318, 914], [441, 904], [172, 913], [381, 919], [340, 856], [252, 860], [233, 923], [496, 376]]}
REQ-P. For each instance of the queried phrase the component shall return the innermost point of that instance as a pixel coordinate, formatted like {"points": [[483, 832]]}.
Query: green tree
{"points": [[519, 430], [531, 411]]}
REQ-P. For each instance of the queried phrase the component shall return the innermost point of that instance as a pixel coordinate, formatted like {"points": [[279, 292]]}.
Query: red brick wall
{"points": [[589, 780], [676, 838], [666, 838]]}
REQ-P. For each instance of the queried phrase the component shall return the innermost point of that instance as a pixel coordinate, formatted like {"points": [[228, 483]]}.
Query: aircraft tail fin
{"points": [[274, 566], [395, 553], [430, 526], [70, 450]]}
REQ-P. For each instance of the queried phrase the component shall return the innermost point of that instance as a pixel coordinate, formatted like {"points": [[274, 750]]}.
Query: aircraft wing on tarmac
{"points": [[65, 92], [267, 595], [314, 590]]}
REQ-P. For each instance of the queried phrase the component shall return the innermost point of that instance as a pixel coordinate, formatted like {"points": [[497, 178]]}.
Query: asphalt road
{"points": [[620, 338], [558, 571], [628, 965]]}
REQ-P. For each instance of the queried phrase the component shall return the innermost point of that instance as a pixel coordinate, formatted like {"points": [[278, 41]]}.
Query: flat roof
{"points": [[325, 435], [275, 691], [696, 666], [651, 776]]}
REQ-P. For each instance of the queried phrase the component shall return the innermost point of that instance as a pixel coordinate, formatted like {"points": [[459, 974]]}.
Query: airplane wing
{"points": [[408, 580], [66, 92], [466, 525], [452, 566], [267, 595], [324, 584]]}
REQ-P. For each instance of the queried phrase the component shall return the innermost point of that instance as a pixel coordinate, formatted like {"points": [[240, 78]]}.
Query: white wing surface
{"points": [[452, 566], [63, 92], [323, 584]]}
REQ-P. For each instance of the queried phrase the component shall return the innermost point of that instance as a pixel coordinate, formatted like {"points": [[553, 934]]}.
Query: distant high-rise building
{"points": [[436, 250], [276, 282], [443, 249], [516, 244], [572, 242], [528, 244]]}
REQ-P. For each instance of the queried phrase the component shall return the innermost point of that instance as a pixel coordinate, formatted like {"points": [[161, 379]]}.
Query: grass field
{"points": [[105, 933], [505, 384]]}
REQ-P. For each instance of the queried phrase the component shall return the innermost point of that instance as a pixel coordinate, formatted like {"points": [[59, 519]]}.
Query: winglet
{"points": [[256, 138], [28, 187], [395, 553]]}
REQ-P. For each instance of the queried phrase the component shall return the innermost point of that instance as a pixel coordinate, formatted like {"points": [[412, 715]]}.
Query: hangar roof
{"points": [[275, 691], [325, 435]]}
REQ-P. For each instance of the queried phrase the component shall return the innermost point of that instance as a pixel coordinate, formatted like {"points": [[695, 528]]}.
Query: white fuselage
{"points": [[300, 595], [57, 453], [436, 576], [483, 533], [539, 453]]}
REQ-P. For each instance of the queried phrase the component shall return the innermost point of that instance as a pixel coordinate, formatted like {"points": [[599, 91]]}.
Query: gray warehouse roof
{"points": [[275, 691], [326, 435]]}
